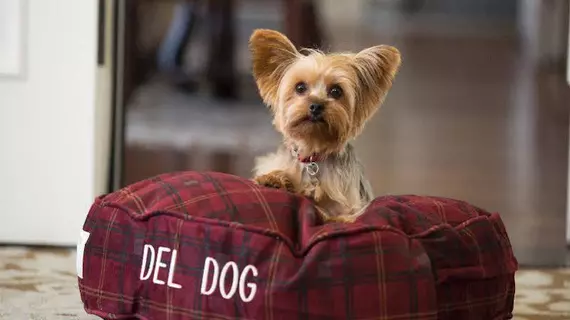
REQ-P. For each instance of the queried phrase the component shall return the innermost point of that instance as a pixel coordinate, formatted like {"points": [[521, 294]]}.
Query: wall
{"points": [[47, 126]]}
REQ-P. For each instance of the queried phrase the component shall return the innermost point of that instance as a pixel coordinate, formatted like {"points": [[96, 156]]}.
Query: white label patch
{"points": [[83, 237]]}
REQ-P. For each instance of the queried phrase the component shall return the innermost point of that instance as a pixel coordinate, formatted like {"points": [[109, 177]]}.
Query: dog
{"points": [[319, 102]]}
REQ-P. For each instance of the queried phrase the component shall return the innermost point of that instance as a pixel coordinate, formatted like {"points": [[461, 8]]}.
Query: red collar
{"points": [[315, 157]]}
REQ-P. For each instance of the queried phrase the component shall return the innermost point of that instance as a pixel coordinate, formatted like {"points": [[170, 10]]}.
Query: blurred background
{"points": [[479, 111], [106, 93]]}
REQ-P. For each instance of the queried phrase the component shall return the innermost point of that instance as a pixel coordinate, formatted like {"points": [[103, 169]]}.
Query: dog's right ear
{"points": [[272, 54]]}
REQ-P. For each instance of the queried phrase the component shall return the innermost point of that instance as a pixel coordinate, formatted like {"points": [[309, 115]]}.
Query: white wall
{"points": [[47, 126]]}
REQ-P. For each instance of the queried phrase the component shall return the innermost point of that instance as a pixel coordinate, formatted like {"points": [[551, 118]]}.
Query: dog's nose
{"points": [[316, 108]]}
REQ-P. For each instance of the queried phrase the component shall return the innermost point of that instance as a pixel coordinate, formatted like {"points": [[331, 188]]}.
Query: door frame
{"points": [[568, 186]]}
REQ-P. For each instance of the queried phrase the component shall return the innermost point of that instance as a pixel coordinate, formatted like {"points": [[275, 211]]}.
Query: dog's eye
{"points": [[300, 87], [335, 92]]}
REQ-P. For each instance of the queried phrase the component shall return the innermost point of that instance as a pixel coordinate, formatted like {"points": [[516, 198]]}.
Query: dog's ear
{"points": [[272, 54], [376, 68]]}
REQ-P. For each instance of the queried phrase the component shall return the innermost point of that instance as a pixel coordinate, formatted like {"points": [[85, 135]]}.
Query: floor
{"points": [[469, 117], [39, 284], [42, 284]]}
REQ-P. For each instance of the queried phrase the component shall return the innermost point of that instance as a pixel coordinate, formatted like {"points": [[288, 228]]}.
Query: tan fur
{"points": [[342, 191]]}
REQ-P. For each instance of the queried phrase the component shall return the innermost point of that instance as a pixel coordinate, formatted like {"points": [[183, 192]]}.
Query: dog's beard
{"points": [[329, 130]]}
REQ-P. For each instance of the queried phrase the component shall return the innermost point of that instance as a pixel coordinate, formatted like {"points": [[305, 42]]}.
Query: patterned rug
{"points": [[42, 284]]}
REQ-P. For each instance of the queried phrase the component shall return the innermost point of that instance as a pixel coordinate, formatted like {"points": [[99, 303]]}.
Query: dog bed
{"points": [[197, 245]]}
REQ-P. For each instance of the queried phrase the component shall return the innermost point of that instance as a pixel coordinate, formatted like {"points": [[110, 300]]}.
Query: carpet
{"points": [[41, 283]]}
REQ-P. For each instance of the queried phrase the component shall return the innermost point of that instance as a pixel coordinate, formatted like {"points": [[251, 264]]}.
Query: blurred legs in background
{"points": [[171, 50], [302, 25], [220, 72]]}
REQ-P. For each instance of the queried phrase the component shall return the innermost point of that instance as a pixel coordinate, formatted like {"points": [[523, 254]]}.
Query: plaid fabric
{"points": [[407, 257]]}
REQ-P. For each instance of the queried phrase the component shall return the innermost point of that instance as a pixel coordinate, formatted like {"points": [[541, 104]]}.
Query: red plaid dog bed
{"points": [[196, 245]]}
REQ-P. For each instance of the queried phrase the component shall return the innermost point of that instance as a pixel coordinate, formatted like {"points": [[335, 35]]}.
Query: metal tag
{"points": [[312, 168]]}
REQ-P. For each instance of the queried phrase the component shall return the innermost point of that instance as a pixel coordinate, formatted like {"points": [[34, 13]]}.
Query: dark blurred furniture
{"points": [[302, 24]]}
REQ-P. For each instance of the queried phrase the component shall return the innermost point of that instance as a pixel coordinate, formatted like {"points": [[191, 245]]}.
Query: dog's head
{"points": [[320, 100]]}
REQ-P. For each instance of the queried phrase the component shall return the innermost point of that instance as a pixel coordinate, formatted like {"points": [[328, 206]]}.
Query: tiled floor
{"points": [[542, 294]]}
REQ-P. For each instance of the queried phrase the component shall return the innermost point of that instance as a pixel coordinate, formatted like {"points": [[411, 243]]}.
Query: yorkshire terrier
{"points": [[320, 102]]}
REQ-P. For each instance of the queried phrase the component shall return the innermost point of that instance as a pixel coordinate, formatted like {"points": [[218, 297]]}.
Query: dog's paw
{"points": [[336, 214], [339, 219], [276, 180]]}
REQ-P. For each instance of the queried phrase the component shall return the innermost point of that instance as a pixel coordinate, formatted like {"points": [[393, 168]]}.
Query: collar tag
{"points": [[312, 168]]}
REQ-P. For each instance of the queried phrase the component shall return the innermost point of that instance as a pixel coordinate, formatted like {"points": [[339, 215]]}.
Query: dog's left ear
{"points": [[272, 54], [376, 68]]}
